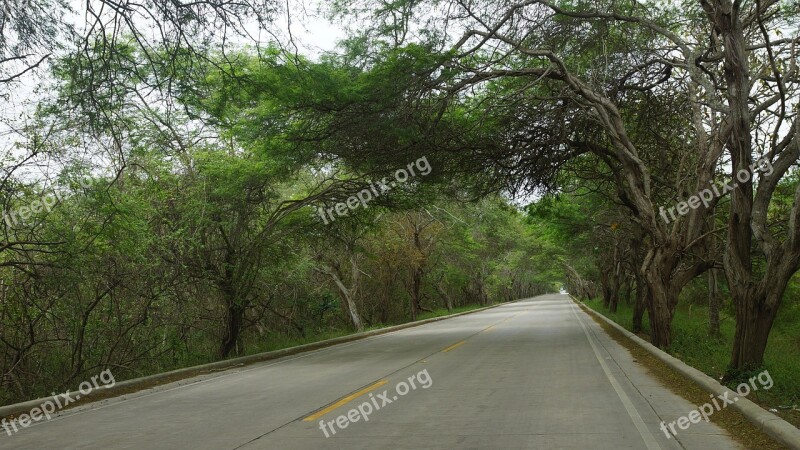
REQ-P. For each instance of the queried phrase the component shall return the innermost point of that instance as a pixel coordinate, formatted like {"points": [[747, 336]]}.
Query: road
{"points": [[534, 374]]}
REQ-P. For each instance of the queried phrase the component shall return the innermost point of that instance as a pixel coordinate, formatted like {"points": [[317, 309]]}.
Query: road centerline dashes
{"points": [[344, 400], [424, 358], [454, 346]]}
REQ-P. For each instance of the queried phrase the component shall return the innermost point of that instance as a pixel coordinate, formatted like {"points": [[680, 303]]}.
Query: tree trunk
{"points": [[605, 286], [353, 311], [663, 296], [610, 281], [616, 279], [754, 319], [642, 301], [347, 295], [756, 309], [234, 318], [448, 301], [660, 314], [627, 290], [416, 286], [349, 302], [614, 301], [235, 307], [713, 304]]}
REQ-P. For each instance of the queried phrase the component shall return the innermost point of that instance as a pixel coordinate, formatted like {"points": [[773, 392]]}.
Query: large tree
{"points": [[760, 77]]}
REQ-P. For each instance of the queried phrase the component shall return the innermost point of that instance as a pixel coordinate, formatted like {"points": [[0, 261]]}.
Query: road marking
{"points": [[499, 323], [454, 346], [649, 440], [344, 401]]}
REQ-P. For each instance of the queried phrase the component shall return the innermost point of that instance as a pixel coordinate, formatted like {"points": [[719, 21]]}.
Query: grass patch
{"points": [[693, 345], [729, 419]]}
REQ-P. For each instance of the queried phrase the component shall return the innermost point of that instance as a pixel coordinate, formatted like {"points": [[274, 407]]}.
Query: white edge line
{"points": [[649, 440]]}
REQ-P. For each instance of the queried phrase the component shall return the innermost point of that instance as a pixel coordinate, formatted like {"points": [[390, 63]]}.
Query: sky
{"points": [[315, 32]]}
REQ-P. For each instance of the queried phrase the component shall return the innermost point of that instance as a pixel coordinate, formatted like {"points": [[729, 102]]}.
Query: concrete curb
{"points": [[772, 425], [136, 384]]}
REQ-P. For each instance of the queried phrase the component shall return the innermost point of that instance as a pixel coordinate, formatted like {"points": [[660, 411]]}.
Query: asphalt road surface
{"points": [[534, 374]]}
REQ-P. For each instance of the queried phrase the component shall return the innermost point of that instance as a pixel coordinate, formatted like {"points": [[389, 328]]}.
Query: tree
{"points": [[29, 33], [758, 81], [335, 261]]}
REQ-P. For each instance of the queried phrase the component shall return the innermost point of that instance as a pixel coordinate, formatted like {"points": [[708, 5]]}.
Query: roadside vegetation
{"points": [[147, 305], [731, 420], [694, 347]]}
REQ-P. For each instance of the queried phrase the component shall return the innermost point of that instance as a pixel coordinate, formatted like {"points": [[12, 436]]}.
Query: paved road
{"points": [[535, 374]]}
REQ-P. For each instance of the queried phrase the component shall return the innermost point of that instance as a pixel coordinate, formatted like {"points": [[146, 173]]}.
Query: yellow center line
{"points": [[457, 344], [344, 401], [501, 322]]}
